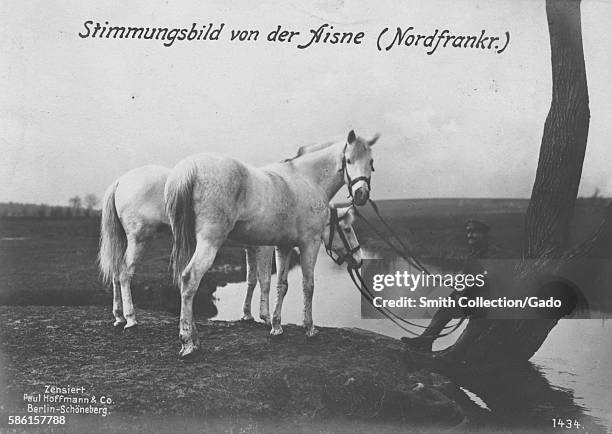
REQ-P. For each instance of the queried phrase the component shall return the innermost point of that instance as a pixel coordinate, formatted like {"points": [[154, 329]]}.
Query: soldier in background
{"points": [[477, 235]]}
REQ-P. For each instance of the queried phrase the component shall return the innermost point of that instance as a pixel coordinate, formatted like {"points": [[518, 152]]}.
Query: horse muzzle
{"points": [[361, 196], [354, 259], [353, 263]]}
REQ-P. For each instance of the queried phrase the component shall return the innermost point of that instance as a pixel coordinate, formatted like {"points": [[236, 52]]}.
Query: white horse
{"points": [[210, 198], [339, 239], [132, 212]]}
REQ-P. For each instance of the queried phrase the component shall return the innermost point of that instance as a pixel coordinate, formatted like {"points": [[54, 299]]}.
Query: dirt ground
{"points": [[243, 376]]}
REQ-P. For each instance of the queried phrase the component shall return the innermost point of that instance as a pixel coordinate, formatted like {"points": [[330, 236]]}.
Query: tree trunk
{"points": [[564, 139], [551, 208]]}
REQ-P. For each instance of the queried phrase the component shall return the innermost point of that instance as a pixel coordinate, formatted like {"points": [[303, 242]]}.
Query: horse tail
{"points": [[179, 208], [113, 240]]}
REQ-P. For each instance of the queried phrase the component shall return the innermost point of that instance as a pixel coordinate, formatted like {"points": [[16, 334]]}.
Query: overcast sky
{"points": [[76, 113]]}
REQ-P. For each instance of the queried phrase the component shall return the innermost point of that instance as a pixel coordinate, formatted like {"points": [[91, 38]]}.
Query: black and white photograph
{"points": [[327, 216]]}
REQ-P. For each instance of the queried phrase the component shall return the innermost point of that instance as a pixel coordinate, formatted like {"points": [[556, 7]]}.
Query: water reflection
{"points": [[522, 397]]}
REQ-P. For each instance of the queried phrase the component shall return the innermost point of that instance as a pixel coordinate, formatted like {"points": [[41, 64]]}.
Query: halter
{"points": [[334, 227], [350, 182]]}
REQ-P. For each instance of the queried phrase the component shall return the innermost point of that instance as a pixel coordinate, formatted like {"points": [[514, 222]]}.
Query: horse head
{"points": [[357, 166], [339, 237]]}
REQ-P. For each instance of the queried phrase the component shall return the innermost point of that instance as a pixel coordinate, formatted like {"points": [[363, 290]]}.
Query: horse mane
{"points": [[307, 149]]}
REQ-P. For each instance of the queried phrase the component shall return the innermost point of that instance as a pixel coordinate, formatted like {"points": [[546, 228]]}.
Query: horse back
{"points": [[219, 186], [281, 208], [259, 206], [139, 197]]}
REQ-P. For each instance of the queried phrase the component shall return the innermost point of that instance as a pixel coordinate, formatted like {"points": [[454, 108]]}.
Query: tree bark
{"points": [[550, 211], [564, 140]]}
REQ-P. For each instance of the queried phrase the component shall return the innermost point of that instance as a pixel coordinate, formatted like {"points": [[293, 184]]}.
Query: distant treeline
{"points": [[77, 210], [17, 210]]}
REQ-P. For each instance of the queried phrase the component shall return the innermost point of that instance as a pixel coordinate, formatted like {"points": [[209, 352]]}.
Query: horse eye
{"points": [[348, 161], [347, 231]]}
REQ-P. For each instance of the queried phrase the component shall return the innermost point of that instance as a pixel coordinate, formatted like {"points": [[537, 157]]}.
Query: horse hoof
{"points": [[312, 333], [247, 318], [265, 319], [130, 328], [276, 331], [119, 323], [188, 351]]}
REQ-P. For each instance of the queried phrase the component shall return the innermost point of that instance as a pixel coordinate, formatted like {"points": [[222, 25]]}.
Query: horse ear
{"points": [[351, 137], [346, 214], [341, 211], [349, 217], [373, 139]]}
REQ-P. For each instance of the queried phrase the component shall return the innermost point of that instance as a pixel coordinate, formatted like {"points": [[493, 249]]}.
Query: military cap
{"points": [[476, 225]]}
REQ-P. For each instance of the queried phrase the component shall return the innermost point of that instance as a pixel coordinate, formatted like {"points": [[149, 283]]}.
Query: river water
{"points": [[569, 376]]}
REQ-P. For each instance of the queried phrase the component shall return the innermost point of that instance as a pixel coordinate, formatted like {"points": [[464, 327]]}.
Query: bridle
{"points": [[334, 227], [351, 182], [334, 223], [359, 282], [354, 272]]}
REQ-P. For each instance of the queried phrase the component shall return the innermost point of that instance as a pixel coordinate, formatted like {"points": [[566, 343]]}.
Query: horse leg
{"points": [[308, 257], [132, 255], [283, 254], [251, 264], [202, 259], [264, 273], [117, 310]]}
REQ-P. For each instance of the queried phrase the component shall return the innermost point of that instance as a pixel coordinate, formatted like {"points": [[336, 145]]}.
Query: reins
{"points": [[353, 271], [406, 254], [393, 317], [410, 258]]}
